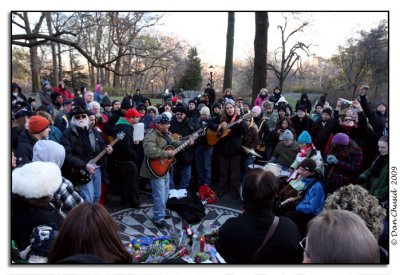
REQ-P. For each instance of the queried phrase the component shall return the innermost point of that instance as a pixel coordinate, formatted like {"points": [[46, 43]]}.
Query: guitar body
{"points": [[80, 176], [160, 167], [214, 136]]}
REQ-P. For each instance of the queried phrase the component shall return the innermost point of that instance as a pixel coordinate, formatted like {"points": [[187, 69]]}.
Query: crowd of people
{"points": [[69, 150]]}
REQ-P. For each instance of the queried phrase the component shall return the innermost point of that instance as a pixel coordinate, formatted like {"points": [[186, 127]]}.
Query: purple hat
{"points": [[341, 139]]}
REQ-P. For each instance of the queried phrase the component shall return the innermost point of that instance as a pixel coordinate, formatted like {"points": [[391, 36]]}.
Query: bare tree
{"points": [[354, 62], [260, 53], [285, 59], [21, 20], [230, 34]]}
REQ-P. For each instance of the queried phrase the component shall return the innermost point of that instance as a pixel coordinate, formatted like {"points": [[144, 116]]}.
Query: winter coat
{"points": [[376, 119], [300, 125], [313, 201], [124, 149], [153, 144], [78, 150], [24, 218], [322, 131], [376, 178], [25, 147], [240, 237], [260, 99], [345, 171], [306, 103], [231, 144], [184, 129], [285, 155]]}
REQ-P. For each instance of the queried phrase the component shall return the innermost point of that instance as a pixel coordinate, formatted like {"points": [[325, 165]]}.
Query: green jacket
{"points": [[377, 186], [153, 144]]}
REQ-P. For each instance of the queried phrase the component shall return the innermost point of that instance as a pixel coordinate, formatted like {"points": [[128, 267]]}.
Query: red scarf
{"points": [[304, 152]]}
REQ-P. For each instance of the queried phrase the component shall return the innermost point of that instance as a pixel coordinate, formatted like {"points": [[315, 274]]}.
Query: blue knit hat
{"points": [[162, 119], [304, 138]]}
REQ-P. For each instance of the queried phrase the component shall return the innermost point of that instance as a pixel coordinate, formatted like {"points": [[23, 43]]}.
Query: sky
{"points": [[207, 31], [216, 30]]}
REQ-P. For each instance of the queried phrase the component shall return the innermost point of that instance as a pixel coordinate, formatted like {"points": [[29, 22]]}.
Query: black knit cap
{"points": [[308, 164]]}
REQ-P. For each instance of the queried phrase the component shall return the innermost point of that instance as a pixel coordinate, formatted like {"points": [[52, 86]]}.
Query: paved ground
{"points": [[112, 201]]}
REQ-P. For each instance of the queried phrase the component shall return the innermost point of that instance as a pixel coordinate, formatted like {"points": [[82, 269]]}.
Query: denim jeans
{"points": [[203, 156], [91, 191], [184, 172], [160, 193]]}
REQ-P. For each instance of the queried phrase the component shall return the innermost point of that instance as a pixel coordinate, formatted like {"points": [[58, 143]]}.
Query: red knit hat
{"points": [[37, 124], [133, 113]]}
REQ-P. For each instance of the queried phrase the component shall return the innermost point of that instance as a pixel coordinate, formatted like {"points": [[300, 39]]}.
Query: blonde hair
{"points": [[357, 200]]}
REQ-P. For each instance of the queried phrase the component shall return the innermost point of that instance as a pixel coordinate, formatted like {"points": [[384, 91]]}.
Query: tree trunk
{"points": [[71, 64], [260, 53], [229, 51], [60, 69], [53, 48], [35, 69]]}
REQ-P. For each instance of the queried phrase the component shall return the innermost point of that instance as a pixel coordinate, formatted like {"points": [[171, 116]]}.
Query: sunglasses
{"points": [[82, 116]]}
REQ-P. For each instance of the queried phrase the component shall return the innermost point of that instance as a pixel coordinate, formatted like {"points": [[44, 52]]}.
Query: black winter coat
{"points": [[78, 150], [25, 218], [231, 145], [240, 237], [185, 128], [124, 149], [25, 145]]}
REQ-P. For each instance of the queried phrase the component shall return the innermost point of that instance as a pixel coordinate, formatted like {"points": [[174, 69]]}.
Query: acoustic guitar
{"points": [[81, 176], [214, 136], [160, 167]]}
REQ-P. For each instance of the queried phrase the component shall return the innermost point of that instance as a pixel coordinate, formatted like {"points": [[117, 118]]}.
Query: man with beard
{"points": [[56, 104], [182, 169], [82, 143]]}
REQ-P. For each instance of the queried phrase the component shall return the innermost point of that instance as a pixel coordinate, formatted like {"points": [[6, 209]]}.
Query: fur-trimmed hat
{"points": [[155, 110], [36, 179]]}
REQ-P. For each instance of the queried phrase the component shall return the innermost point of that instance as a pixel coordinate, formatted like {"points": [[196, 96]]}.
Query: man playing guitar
{"points": [[154, 143]]}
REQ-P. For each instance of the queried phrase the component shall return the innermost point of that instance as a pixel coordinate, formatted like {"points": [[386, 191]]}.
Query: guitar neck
{"points": [[102, 153], [186, 143], [237, 121]]}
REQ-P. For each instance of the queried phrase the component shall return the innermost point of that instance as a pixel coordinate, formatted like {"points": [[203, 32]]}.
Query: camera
{"points": [[366, 87], [345, 101]]}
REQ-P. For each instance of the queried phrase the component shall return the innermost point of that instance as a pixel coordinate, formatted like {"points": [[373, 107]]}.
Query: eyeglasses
{"points": [[302, 243], [82, 116]]}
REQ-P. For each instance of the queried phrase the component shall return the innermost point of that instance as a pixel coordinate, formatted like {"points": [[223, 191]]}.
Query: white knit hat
{"points": [[205, 111], [36, 180]]}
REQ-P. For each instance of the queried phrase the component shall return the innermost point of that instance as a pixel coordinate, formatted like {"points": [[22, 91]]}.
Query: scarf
{"points": [[304, 152]]}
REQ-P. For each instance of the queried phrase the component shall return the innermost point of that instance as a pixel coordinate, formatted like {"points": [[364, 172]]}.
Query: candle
{"points": [[202, 244]]}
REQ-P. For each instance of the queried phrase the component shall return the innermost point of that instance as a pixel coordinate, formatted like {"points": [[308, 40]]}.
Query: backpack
{"points": [[190, 208]]}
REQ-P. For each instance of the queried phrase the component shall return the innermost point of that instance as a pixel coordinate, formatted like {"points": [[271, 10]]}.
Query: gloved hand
{"points": [[331, 159]]}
